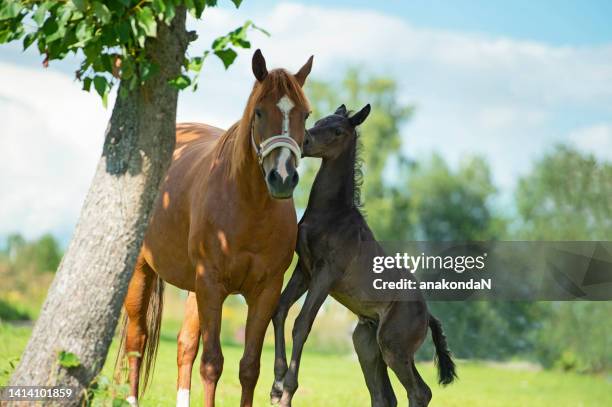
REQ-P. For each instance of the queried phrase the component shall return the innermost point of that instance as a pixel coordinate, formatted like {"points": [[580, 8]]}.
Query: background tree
{"points": [[141, 45], [566, 196]]}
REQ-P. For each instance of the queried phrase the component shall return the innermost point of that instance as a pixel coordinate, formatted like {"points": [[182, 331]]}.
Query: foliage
{"points": [[67, 359], [110, 37], [11, 312], [567, 197], [104, 392], [26, 269], [448, 205]]}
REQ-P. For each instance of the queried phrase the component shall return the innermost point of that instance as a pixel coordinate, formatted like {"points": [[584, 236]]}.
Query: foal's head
{"points": [[276, 113], [334, 134]]}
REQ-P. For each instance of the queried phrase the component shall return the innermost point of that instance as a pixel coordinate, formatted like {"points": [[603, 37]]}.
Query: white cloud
{"points": [[596, 139], [50, 138], [508, 100]]}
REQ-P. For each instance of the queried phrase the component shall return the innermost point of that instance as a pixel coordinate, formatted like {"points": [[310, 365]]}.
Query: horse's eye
{"points": [[258, 113], [338, 132]]}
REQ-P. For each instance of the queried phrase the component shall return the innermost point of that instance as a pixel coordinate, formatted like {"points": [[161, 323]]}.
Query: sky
{"points": [[507, 80]]}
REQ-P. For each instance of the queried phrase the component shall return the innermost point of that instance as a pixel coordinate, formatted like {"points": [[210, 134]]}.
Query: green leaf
{"points": [[169, 13], [237, 3], [29, 39], [40, 13], [146, 20], [87, 84], [80, 5], [68, 359], [120, 403], [102, 12], [195, 64], [84, 31], [10, 9], [227, 56], [102, 87], [180, 82]]}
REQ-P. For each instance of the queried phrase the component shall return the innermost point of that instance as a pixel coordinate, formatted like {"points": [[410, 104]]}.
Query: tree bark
{"points": [[83, 304]]}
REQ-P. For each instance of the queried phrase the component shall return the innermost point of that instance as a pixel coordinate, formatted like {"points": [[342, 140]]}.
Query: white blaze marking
{"points": [[283, 158], [285, 105], [182, 398], [132, 401]]}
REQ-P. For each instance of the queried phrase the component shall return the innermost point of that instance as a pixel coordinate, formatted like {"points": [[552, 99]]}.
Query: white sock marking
{"points": [[182, 398], [132, 401]]}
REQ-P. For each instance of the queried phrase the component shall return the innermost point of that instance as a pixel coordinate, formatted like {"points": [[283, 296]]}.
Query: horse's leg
{"points": [[210, 296], [296, 286], [373, 366], [401, 331], [318, 290], [136, 304], [187, 350], [261, 307]]}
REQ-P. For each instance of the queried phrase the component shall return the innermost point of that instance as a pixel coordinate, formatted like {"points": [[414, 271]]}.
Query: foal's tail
{"points": [[443, 359], [154, 316]]}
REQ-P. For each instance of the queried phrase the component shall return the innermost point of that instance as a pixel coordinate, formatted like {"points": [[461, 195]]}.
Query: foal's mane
{"points": [[237, 139], [357, 174]]}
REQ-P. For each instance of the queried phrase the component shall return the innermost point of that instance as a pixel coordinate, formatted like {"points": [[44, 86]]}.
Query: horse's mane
{"points": [[277, 83], [357, 175]]}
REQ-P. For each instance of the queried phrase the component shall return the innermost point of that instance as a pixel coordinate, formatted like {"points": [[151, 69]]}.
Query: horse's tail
{"points": [[443, 359], [154, 316]]}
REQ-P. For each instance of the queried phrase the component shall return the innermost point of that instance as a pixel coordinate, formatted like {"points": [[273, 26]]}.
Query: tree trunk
{"points": [[83, 304]]}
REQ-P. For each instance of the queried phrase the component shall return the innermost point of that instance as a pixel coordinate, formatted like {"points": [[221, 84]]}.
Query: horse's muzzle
{"points": [[282, 188]]}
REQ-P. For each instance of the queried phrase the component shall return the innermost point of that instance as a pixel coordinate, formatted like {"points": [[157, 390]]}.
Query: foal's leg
{"points": [[318, 290], [373, 366], [136, 304], [262, 304], [401, 331], [296, 286], [210, 295], [187, 349]]}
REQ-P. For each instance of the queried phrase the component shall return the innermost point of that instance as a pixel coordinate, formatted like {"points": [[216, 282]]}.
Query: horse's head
{"points": [[333, 134], [278, 110]]}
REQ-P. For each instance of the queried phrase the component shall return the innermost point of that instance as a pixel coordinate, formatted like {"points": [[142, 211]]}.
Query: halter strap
{"points": [[274, 142]]}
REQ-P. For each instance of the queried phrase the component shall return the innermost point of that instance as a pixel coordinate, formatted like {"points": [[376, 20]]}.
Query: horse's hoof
{"points": [[276, 392], [285, 400]]}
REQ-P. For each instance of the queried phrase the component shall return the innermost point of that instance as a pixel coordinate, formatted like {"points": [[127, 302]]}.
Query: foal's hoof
{"points": [[285, 400], [276, 392]]}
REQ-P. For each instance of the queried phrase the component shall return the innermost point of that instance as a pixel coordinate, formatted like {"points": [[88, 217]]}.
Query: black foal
{"points": [[332, 233]]}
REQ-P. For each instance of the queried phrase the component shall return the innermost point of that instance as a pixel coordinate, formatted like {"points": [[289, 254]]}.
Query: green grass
{"points": [[335, 380]]}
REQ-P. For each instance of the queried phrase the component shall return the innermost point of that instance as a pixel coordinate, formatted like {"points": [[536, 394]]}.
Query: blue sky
{"points": [[506, 80], [558, 22]]}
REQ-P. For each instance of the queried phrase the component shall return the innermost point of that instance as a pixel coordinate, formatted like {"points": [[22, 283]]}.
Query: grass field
{"points": [[335, 380]]}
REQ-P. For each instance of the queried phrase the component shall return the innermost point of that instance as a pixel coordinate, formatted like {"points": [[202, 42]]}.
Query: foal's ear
{"points": [[304, 71], [259, 66], [360, 116], [341, 111]]}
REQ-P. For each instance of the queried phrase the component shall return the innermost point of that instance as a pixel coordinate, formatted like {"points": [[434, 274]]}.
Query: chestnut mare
{"points": [[224, 224]]}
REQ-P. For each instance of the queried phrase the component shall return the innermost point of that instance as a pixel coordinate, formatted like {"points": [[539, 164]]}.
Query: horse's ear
{"points": [[259, 66], [360, 116], [304, 71], [341, 110]]}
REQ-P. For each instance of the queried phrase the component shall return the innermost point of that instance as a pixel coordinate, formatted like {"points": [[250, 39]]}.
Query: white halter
{"points": [[279, 141]]}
